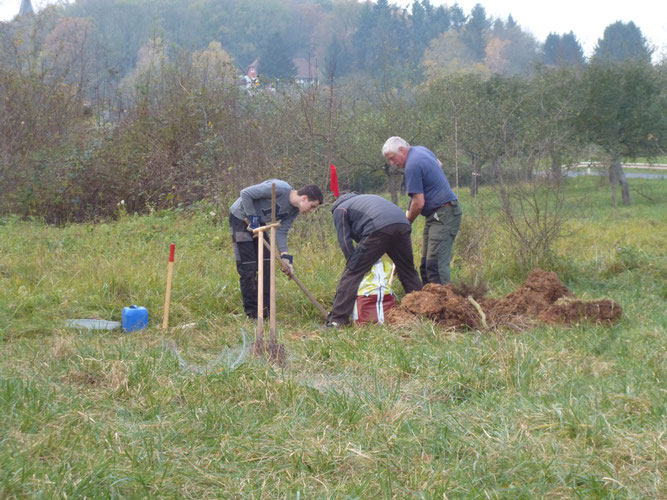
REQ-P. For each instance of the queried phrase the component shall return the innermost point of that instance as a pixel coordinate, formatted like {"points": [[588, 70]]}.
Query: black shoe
{"points": [[332, 324]]}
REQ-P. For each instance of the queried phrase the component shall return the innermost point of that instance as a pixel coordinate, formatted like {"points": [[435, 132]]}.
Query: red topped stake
{"points": [[167, 297]]}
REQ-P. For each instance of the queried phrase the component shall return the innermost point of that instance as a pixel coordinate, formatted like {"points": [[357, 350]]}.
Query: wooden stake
{"points": [[167, 297], [391, 276], [260, 293], [272, 265]]}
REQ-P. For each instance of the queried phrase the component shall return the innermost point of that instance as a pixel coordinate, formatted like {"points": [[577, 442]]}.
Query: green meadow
{"points": [[361, 412]]}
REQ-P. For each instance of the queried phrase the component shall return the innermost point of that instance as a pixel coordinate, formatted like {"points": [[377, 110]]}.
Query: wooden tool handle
{"points": [[391, 276], [260, 291], [167, 297], [261, 229], [272, 267], [300, 284]]}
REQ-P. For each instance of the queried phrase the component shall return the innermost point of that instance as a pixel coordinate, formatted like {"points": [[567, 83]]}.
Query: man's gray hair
{"points": [[393, 143]]}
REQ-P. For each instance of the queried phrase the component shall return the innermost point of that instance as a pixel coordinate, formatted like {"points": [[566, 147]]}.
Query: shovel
{"points": [[300, 284], [323, 312]]}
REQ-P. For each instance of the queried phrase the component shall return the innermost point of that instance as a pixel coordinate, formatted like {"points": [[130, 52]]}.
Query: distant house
{"points": [[250, 78], [251, 72], [306, 71]]}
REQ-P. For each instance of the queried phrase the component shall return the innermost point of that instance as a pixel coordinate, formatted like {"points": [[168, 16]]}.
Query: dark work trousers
{"points": [[440, 231], [245, 253], [394, 240]]}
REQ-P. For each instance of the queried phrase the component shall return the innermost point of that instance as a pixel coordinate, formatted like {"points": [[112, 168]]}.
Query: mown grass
{"points": [[411, 412]]}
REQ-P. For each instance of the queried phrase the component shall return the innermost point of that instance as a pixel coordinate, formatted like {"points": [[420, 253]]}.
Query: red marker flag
{"points": [[334, 181]]}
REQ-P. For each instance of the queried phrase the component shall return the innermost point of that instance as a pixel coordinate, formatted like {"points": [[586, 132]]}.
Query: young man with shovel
{"points": [[378, 227], [248, 212]]}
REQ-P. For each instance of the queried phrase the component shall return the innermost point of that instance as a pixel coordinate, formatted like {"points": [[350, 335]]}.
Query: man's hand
{"points": [[254, 222], [416, 206], [287, 266]]}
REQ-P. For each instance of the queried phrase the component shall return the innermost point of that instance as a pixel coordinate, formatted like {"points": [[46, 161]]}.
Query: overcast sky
{"points": [[587, 18]]}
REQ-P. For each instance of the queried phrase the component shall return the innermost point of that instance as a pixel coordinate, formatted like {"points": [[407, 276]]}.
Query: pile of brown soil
{"points": [[542, 298]]}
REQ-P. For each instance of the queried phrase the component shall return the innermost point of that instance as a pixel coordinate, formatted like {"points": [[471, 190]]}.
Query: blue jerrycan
{"points": [[134, 318]]}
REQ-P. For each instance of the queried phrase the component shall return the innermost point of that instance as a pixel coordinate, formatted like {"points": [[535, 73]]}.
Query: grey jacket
{"points": [[256, 200], [359, 215]]}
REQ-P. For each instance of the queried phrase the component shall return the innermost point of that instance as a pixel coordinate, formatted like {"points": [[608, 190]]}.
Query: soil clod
{"points": [[542, 298]]}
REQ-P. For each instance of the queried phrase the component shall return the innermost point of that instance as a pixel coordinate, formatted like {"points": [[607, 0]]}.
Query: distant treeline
{"points": [[376, 38], [141, 101]]}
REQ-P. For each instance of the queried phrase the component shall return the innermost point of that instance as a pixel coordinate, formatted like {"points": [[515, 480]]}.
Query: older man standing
{"points": [[432, 197]]}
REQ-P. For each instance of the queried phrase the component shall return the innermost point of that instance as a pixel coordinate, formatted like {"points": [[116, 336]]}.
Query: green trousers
{"points": [[440, 231]]}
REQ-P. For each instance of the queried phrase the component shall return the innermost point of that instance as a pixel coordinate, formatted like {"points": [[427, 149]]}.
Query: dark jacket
{"points": [[357, 216]]}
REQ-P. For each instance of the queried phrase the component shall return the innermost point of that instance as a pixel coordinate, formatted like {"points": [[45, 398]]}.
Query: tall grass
{"points": [[405, 412]]}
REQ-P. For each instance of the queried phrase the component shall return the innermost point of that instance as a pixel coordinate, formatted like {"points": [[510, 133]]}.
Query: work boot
{"points": [[332, 324]]}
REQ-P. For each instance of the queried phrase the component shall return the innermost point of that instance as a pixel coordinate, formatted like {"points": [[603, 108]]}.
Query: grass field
{"points": [[356, 413]]}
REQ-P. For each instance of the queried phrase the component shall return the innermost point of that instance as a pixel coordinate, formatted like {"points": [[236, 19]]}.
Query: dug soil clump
{"points": [[542, 298]]}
